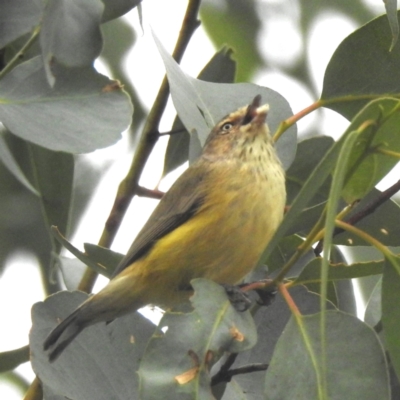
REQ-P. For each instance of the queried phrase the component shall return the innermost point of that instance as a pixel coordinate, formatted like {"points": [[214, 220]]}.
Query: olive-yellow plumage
{"points": [[213, 223]]}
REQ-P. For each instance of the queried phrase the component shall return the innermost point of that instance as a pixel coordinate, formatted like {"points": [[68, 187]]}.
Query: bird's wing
{"points": [[175, 208]]}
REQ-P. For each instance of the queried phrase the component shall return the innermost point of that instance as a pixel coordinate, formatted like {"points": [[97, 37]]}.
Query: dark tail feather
{"points": [[63, 334]]}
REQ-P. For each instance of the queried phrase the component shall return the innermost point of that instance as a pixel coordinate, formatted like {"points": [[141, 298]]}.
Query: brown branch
{"points": [[150, 193], [364, 212], [224, 369], [129, 186]]}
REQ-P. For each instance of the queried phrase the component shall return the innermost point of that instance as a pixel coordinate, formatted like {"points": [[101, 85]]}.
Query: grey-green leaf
{"points": [[109, 353], [18, 17], [71, 33], [356, 364], [363, 66], [84, 111], [176, 363]]}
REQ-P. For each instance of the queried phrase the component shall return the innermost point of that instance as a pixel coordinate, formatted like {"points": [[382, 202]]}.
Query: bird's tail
{"points": [[64, 333]]}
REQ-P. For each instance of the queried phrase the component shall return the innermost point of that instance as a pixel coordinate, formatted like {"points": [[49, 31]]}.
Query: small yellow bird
{"points": [[213, 223]]}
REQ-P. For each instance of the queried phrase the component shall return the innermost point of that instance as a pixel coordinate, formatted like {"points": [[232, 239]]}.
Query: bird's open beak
{"points": [[256, 113]]}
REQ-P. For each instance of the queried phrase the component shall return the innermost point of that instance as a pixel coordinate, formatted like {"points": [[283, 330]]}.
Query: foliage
{"points": [[309, 343]]}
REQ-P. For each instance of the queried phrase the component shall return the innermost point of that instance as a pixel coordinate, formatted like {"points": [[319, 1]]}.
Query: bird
{"points": [[214, 223]]}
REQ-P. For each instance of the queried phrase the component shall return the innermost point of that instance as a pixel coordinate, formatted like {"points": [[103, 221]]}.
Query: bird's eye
{"points": [[226, 127]]}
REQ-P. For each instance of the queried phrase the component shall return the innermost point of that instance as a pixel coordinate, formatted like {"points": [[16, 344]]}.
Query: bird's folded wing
{"points": [[175, 208]]}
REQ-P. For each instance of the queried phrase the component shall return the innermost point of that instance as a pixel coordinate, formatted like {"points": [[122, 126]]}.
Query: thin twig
{"points": [[364, 212], [172, 132], [224, 369], [150, 193], [226, 376]]}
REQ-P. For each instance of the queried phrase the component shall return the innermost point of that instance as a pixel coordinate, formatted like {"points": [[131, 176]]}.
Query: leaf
{"points": [[71, 33], [352, 349], [362, 66], [107, 258], [271, 322], [78, 254], [382, 224], [200, 105], [177, 362], [309, 154], [18, 17], [373, 310], [391, 314], [282, 253], [312, 271], [221, 68], [84, 111], [391, 10], [116, 8], [9, 161], [100, 363], [53, 174], [378, 124]]}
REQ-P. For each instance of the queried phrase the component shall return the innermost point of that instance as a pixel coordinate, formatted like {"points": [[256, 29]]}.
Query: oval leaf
{"points": [[83, 112]]}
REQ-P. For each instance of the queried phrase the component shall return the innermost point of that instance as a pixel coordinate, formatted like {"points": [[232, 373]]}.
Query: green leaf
{"points": [[362, 65], [200, 105], [391, 313], [282, 253], [178, 361], [101, 362], [271, 322], [356, 364], [71, 33], [221, 68], [379, 127], [382, 224], [309, 154], [338, 271], [391, 10], [84, 111]]}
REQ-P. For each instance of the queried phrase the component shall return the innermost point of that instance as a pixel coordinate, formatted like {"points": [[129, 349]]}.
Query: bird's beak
{"points": [[256, 113]]}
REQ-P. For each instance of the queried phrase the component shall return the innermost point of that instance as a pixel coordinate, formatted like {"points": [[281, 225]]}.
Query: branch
{"points": [[363, 213], [226, 376], [150, 193], [128, 188]]}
